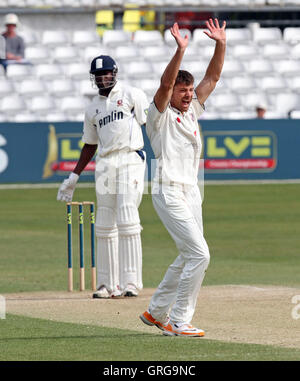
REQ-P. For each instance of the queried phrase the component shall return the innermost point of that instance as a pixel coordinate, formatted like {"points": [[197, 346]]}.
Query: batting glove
{"points": [[66, 190]]}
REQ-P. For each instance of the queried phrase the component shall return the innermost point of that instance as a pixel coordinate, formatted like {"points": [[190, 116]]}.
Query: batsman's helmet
{"points": [[99, 67]]}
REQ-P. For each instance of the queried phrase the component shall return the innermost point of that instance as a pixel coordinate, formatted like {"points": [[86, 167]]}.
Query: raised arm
{"points": [[214, 69], [164, 93]]}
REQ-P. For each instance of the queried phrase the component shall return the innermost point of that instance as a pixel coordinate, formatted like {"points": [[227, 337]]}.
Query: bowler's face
{"points": [[182, 96]]}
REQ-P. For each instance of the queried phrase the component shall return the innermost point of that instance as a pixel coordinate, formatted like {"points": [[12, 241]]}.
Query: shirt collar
{"points": [[115, 89], [177, 111]]}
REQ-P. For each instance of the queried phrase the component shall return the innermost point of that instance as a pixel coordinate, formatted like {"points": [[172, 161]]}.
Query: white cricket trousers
{"points": [[181, 213], [119, 188]]}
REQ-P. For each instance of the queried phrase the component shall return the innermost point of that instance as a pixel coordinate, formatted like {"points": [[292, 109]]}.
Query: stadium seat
{"points": [[259, 67], [232, 68], [38, 54], [30, 37], [295, 114], [245, 51], [201, 39], [3, 118], [275, 51], [126, 53], [276, 115], [6, 88], [48, 71], [91, 52], [61, 87], [286, 102], [274, 2], [240, 115], [145, 38], [159, 68], [221, 86], [136, 70], [25, 118], [12, 104], [210, 115], [224, 102], [73, 105], [170, 40], [70, 3], [155, 53], [294, 84], [16, 3], [85, 38], [207, 52], [131, 18], [16, 71], [273, 84], [66, 54], [265, 35], [291, 35], [252, 99], [192, 53], [295, 52], [55, 117], [104, 19], [43, 3], [242, 84], [31, 87], [75, 117], [149, 86], [77, 70], [36, 3], [86, 89], [196, 68], [55, 38], [113, 38], [292, 2], [288, 67], [236, 36], [42, 105]]}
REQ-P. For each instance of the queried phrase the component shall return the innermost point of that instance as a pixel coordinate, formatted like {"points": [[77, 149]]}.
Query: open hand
{"points": [[215, 31], [182, 42]]}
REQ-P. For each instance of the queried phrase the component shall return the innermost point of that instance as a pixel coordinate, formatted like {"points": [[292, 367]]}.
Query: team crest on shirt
{"points": [[120, 102]]}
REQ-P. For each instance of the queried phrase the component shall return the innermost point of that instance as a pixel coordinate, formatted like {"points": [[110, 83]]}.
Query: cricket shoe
{"points": [[148, 319], [130, 291], [103, 293], [187, 330]]}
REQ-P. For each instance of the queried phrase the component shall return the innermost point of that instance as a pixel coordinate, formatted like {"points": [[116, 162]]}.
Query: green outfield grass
{"points": [[252, 232], [27, 339]]}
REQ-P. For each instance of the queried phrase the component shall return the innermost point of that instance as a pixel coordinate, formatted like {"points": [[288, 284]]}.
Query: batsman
{"points": [[112, 125]]}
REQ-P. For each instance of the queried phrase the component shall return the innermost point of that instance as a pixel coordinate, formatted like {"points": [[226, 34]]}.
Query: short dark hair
{"points": [[185, 77]]}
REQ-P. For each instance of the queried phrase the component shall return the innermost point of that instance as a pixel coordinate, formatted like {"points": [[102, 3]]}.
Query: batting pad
{"points": [[130, 258], [130, 246], [107, 249]]}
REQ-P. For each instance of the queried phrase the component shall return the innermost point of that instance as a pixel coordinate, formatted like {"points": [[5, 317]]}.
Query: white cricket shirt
{"points": [[176, 143], [114, 122]]}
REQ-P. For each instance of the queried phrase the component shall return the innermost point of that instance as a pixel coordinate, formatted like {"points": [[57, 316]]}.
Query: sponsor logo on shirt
{"points": [[114, 115]]}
